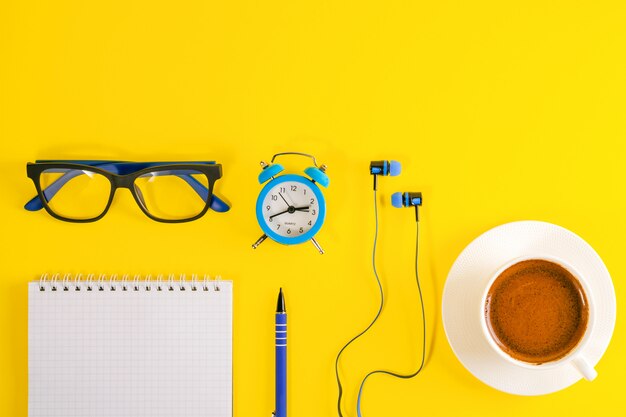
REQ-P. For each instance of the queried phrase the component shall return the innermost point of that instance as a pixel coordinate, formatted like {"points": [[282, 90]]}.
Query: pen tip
{"points": [[280, 305]]}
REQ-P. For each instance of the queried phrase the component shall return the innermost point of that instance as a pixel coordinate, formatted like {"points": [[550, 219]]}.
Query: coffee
{"points": [[536, 311]]}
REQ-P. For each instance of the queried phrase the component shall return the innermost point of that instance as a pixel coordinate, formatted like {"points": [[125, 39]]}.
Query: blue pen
{"points": [[281, 357]]}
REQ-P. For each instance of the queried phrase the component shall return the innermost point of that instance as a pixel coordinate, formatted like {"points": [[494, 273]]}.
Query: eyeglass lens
{"points": [[175, 194], [74, 193]]}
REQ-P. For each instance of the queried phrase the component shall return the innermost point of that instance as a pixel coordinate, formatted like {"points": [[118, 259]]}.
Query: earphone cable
{"points": [[419, 369], [380, 308]]}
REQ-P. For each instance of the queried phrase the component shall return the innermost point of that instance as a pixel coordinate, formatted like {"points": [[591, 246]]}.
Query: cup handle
{"points": [[584, 368]]}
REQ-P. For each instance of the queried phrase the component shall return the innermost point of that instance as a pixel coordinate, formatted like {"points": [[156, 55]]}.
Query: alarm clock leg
{"points": [[317, 245], [258, 242]]}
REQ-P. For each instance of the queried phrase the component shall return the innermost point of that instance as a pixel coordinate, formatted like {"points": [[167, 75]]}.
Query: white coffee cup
{"points": [[574, 357]]}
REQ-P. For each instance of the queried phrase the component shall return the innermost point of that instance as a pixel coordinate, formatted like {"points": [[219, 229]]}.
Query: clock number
{"points": [[288, 231], [301, 230], [282, 190], [312, 201], [277, 226], [294, 188], [313, 212], [267, 208], [309, 222], [271, 219], [274, 197], [304, 189]]}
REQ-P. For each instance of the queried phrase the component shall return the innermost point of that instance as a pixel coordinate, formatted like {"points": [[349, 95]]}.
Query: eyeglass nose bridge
{"points": [[123, 181], [128, 182]]}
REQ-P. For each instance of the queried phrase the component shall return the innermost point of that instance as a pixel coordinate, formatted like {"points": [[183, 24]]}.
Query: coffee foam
{"points": [[536, 311]]}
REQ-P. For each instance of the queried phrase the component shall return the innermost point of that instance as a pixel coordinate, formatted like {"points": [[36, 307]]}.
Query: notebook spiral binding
{"points": [[104, 282]]}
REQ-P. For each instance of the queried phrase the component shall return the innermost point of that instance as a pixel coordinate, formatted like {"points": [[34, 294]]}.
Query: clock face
{"points": [[291, 208]]}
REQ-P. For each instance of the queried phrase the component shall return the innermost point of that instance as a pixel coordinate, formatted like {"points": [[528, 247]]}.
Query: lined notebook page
{"points": [[130, 353]]}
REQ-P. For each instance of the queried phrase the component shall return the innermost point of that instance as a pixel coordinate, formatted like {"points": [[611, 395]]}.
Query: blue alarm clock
{"points": [[291, 208]]}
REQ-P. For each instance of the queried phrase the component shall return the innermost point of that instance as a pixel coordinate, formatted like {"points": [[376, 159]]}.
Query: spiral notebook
{"points": [[101, 347]]}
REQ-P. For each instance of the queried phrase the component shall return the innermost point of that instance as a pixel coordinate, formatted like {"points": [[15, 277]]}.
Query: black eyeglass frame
{"points": [[212, 171]]}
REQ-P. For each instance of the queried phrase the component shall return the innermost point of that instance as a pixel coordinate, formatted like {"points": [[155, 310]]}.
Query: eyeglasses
{"points": [[82, 191]]}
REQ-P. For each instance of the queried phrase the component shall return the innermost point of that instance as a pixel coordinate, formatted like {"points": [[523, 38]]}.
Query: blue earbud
{"points": [[377, 168], [399, 200], [392, 168], [407, 199]]}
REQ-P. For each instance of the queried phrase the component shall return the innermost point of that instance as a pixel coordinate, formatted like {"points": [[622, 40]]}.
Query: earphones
{"points": [[392, 168], [407, 199], [398, 200]]}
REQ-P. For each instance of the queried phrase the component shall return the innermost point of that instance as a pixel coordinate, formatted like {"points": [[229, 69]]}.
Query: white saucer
{"points": [[467, 280]]}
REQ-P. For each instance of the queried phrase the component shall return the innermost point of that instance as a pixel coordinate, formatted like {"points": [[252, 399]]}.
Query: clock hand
{"points": [[278, 214], [281, 196], [291, 209]]}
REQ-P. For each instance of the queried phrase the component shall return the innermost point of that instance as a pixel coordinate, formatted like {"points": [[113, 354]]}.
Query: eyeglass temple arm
{"points": [[217, 204], [122, 166]]}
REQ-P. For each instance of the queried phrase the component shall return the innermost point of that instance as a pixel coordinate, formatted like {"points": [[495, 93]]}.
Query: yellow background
{"points": [[499, 111]]}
